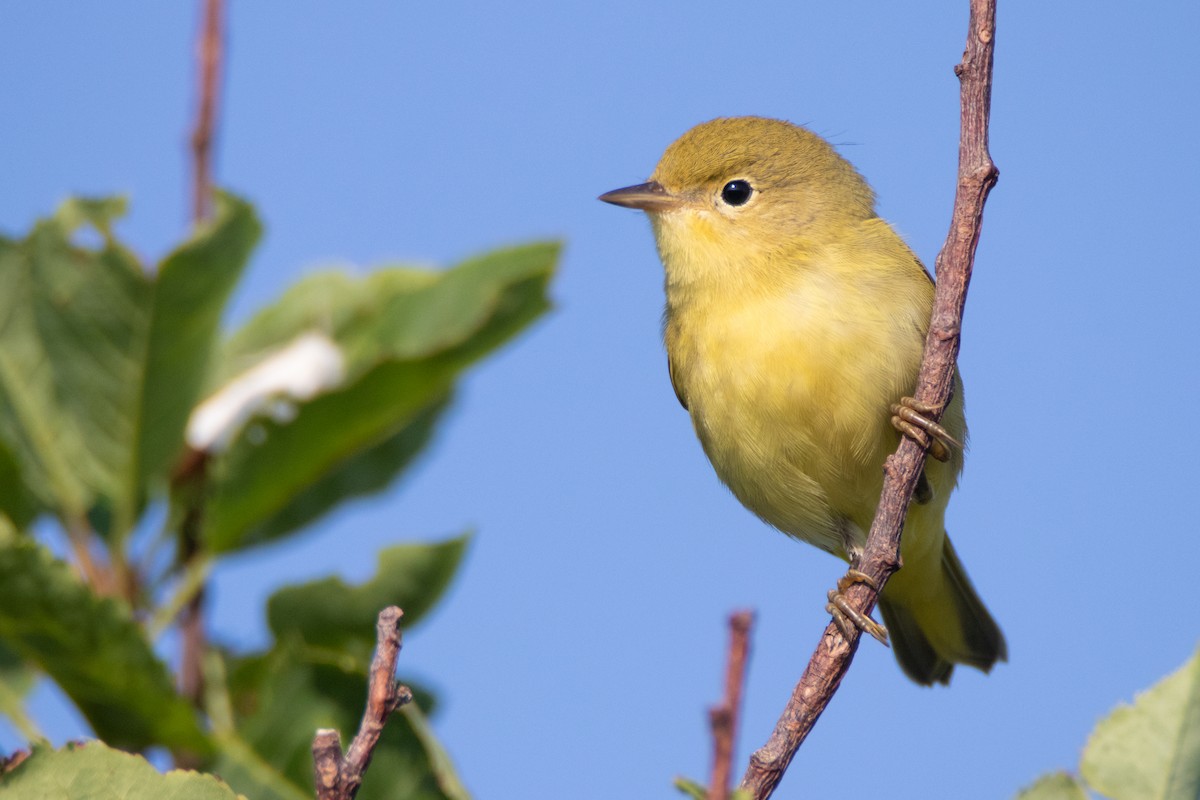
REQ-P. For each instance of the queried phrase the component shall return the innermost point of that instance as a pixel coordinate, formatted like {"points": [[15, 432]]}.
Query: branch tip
{"points": [[723, 718], [340, 776], [209, 53]]}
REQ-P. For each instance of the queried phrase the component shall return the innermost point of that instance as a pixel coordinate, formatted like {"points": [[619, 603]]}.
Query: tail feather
{"points": [[953, 627], [915, 653], [985, 643]]}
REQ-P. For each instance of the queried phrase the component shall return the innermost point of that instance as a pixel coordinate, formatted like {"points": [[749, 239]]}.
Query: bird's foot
{"points": [[909, 416], [848, 618]]}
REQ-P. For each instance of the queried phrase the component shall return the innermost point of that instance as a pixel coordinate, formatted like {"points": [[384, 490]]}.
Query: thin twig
{"points": [[724, 717], [209, 53], [190, 487], [196, 572], [194, 640], [80, 534], [976, 177], [338, 777]]}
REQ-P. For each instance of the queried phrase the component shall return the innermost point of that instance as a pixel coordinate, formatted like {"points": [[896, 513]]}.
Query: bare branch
{"points": [[724, 717], [327, 763], [338, 777], [191, 621], [881, 557], [209, 53]]}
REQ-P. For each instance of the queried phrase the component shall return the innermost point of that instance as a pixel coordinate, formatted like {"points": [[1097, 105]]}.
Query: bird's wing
{"points": [[675, 384]]}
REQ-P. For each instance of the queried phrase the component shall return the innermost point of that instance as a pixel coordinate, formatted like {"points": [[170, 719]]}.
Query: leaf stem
{"points": [[192, 581]]}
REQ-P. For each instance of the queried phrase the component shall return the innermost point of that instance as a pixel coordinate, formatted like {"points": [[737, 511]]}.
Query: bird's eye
{"points": [[737, 193]]}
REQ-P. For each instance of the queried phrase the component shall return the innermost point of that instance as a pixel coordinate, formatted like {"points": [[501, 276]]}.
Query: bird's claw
{"points": [[845, 616], [909, 416]]}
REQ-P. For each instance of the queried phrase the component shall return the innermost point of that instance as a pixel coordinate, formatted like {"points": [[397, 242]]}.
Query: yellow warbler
{"points": [[795, 322]]}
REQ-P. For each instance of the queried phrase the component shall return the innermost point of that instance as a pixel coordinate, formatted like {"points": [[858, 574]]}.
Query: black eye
{"points": [[737, 193]]}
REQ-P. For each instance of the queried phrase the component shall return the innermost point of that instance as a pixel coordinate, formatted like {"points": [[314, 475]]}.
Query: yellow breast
{"points": [[788, 371]]}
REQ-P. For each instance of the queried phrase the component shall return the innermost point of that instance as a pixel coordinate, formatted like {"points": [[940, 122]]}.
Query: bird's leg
{"points": [[909, 417], [924, 492], [848, 618]]}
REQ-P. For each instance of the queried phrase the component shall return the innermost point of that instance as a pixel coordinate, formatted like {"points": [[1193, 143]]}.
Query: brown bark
{"points": [[723, 718], [339, 777], [209, 53]]}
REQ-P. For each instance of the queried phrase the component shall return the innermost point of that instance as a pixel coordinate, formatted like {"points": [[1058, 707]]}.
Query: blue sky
{"points": [[585, 636]]}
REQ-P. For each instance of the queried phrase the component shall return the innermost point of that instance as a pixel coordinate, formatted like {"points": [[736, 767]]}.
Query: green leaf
{"points": [[331, 615], [1055, 786], [239, 764], [281, 699], [404, 336], [98, 212], [194, 283], [344, 306], [16, 501], [17, 678], [698, 791], [93, 649], [691, 788], [403, 313], [369, 471], [439, 760], [472, 308], [276, 464], [96, 772], [1150, 750], [101, 361], [68, 317]]}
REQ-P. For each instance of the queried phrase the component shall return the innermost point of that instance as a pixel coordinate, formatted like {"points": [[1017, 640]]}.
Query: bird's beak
{"points": [[645, 196]]}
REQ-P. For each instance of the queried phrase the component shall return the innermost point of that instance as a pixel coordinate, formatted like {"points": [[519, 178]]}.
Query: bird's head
{"points": [[739, 190]]}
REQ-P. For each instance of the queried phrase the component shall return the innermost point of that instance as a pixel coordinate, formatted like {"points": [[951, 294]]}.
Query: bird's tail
{"points": [[931, 631]]}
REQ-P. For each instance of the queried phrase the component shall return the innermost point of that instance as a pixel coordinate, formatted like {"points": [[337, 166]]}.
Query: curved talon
{"points": [[854, 576], [840, 619], [908, 417], [846, 617], [916, 412], [935, 448]]}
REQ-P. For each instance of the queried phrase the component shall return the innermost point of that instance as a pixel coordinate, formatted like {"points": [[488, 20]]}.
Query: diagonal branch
{"points": [[338, 777], [881, 557]]}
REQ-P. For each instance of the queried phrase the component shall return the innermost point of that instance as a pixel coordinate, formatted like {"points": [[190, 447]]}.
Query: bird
{"points": [[794, 326]]}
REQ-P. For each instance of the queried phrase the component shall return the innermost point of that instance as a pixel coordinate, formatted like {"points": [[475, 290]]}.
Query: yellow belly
{"points": [[790, 399]]}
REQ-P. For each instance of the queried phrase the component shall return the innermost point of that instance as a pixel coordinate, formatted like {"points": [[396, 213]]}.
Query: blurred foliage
{"points": [[1055, 786], [104, 363], [698, 791], [92, 648], [98, 772], [1149, 750]]}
